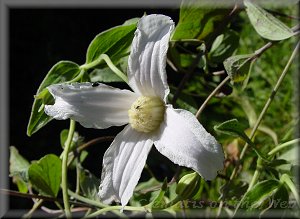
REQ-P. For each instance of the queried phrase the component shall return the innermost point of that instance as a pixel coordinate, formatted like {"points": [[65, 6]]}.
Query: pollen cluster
{"points": [[146, 113]]}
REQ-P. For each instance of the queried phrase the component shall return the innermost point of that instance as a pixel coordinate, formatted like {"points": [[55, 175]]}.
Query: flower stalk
{"points": [[64, 181]]}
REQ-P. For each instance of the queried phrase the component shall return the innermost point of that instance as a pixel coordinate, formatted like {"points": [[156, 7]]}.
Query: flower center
{"points": [[146, 113]]}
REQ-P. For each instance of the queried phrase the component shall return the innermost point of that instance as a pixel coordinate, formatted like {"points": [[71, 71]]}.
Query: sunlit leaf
{"points": [[259, 193], [265, 24], [238, 67], [234, 128], [197, 21], [224, 46], [231, 127], [114, 42], [45, 175], [61, 72], [291, 185]]}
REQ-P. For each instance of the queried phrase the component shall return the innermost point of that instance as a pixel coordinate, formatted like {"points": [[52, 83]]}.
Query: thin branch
{"points": [[45, 198], [211, 95], [95, 141], [73, 154]]}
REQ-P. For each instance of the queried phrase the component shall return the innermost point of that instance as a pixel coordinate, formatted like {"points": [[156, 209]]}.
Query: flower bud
{"points": [[188, 185]]}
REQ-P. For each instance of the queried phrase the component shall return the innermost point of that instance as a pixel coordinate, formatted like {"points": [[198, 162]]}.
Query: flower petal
{"points": [[98, 106], [123, 163], [147, 60], [185, 142]]}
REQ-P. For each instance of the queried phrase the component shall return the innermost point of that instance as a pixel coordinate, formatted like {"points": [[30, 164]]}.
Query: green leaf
{"points": [[104, 75], [45, 175], [224, 46], [158, 202], [234, 128], [62, 71], [89, 184], [184, 102], [184, 53], [238, 67], [259, 193], [83, 155], [231, 127], [265, 24], [113, 42], [18, 169], [152, 182], [144, 192], [21, 184], [76, 140], [197, 21], [234, 189], [18, 165], [287, 180], [281, 198], [277, 162]]}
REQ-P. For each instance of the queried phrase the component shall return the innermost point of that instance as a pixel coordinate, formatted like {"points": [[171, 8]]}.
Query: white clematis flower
{"points": [[176, 133]]}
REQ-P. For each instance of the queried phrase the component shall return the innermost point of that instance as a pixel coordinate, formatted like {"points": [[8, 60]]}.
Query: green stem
{"points": [[78, 172], [86, 200], [251, 184], [104, 207], [284, 145], [256, 174], [264, 110], [32, 210], [109, 63], [77, 78], [64, 182], [113, 208]]}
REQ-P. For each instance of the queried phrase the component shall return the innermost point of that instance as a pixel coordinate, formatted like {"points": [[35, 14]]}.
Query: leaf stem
{"points": [[64, 182], [109, 63]]}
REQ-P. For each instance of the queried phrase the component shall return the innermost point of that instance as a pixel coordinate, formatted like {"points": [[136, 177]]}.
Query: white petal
{"points": [[185, 142], [123, 163], [93, 107], [147, 60]]}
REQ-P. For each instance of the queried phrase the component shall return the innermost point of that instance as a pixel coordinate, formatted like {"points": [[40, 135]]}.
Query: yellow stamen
{"points": [[146, 113]]}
